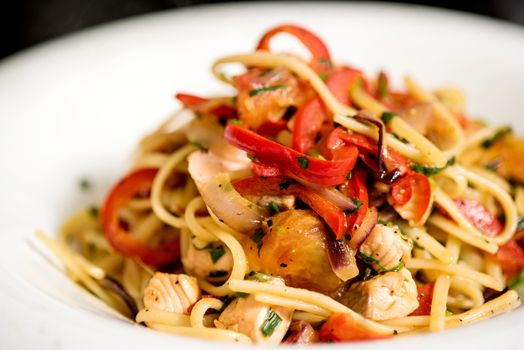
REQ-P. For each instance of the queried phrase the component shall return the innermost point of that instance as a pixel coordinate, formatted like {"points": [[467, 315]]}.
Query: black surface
{"points": [[27, 22]]}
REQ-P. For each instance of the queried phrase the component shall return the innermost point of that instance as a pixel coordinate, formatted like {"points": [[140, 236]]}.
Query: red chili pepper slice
{"points": [[134, 183], [425, 298], [356, 188], [309, 118], [480, 216], [257, 186], [343, 328], [321, 59], [194, 102], [511, 257], [318, 171], [412, 193]]}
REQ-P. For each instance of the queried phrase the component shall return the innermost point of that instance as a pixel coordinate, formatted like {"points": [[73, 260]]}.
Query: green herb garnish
{"points": [[252, 157], [368, 259], [303, 162], [255, 92], [357, 203], [383, 88], [270, 323], [285, 184], [387, 117], [273, 208], [216, 253], [520, 223], [349, 175], [94, 211], [517, 282], [241, 294], [259, 276], [315, 154], [199, 146], [429, 171], [235, 121], [257, 238], [498, 135]]}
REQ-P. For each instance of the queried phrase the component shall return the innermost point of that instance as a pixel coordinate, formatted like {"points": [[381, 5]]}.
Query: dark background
{"points": [[27, 22]]}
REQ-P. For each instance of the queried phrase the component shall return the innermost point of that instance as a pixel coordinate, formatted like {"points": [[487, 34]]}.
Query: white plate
{"points": [[76, 107]]}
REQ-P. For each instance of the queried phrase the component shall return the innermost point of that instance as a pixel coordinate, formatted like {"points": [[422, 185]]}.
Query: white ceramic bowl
{"points": [[76, 107]]}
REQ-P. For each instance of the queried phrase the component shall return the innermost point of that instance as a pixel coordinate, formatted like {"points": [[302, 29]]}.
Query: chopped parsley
{"points": [[200, 146], [94, 211], [368, 259], [517, 282], [280, 229], [255, 92], [303, 162], [357, 203], [401, 139], [241, 294], [498, 135], [385, 223], [259, 276], [257, 238], [285, 184], [85, 184], [349, 175], [273, 208], [235, 121], [387, 116], [270, 323], [216, 253], [429, 171]]}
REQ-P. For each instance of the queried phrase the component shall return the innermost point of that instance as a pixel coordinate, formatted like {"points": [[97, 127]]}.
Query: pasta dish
{"points": [[316, 204]]}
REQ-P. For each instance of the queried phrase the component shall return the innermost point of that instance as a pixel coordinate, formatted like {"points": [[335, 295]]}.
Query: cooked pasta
{"points": [[316, 205]]}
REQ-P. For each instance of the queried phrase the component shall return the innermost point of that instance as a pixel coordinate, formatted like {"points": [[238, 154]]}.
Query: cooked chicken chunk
{"points": [[214, 262], [293, 245], [263, 323], [172, 293], [383, 297], [386, 248]]}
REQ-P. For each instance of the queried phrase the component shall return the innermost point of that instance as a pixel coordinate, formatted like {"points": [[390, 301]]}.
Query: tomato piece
{"points": [[480, 216], [318, 171], [321, 59], [511, 257], [137, 182], [343, 328], [412, 198], [198, 103], [257, 186], [189, 101], [425, 298]]}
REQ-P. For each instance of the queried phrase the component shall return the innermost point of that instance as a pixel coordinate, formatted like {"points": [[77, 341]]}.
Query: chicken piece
{"points": [[263, 323], [266, 95], [293, 245], [172, 293], [383, 297], [214, 262], [385, 248]]}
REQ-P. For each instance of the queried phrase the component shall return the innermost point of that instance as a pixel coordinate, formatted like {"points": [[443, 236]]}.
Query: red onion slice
{"points": [[341, 257], [363, 231]]}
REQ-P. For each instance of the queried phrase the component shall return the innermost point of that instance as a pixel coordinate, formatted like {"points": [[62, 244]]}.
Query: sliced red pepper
{"points": [[309, 118], [356, 188], [480, 216], [139, 181], [511, 257], [321, 59], [412, 197], [194, 102], [318, 171], [425, 298], [257, 186], [343, 328]]}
